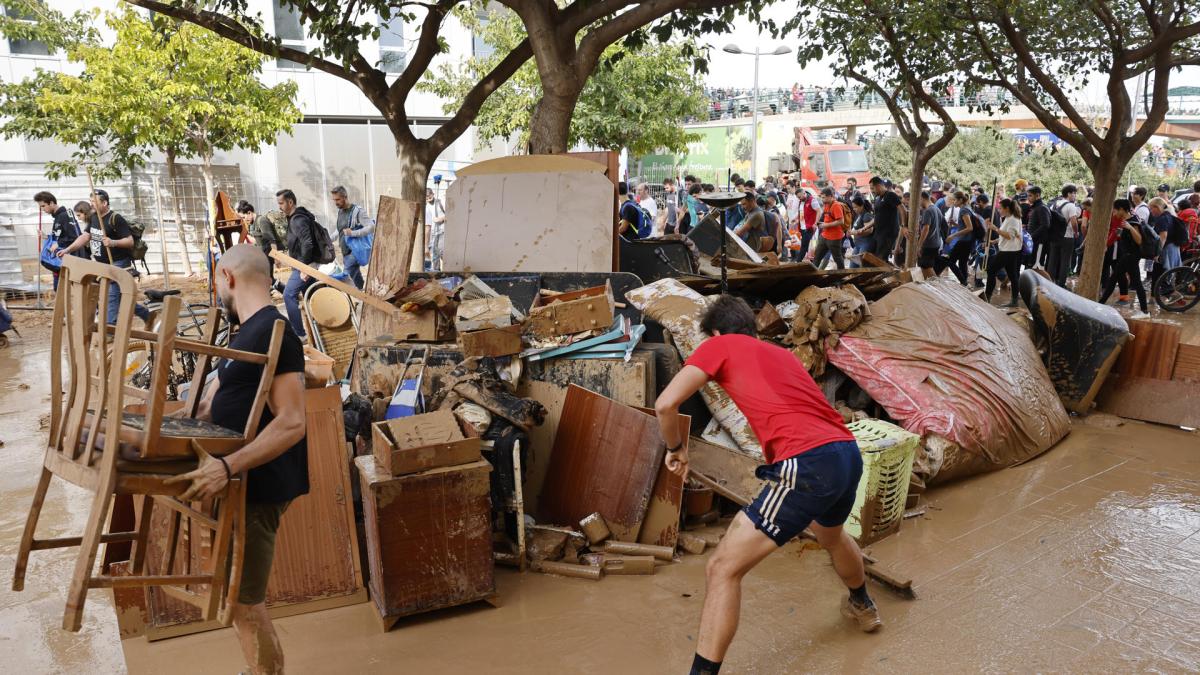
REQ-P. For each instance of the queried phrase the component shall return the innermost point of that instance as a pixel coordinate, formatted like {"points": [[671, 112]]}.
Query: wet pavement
{"points": [[1082, 560]]}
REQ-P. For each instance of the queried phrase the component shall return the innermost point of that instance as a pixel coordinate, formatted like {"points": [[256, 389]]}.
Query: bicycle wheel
{"points": [[1178, 289]]}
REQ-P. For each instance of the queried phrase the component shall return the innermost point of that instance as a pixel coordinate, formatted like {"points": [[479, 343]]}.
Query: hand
{"points": [[677, 462], [208, 480], [346, 232], [60, 252], [53, 248], [303, 277], [106, 241]]}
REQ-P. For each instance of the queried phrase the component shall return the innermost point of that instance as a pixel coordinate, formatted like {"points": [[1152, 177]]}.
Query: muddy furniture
{"points": [[95, 444], [1082, 338], [429, 542]]}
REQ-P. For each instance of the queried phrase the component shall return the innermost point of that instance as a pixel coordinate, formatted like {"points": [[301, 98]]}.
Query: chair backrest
{"points": [[95, 359]]}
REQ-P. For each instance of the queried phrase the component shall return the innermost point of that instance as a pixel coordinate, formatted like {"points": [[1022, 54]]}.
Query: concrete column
{"points": [[851, 133]]}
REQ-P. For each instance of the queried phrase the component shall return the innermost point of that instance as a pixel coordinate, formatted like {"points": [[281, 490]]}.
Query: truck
{"points": [[820, 163]]}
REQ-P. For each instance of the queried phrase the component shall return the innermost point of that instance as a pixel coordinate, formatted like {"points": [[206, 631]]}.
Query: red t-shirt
{"points": [[1114, 229], [783, 405], [831, 222]]}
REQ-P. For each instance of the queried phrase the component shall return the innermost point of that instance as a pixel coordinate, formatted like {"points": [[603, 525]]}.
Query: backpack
{"points": [[139, 247], [1026, 242], [1058, 224], [1151, 244], [646, 226], [322, 244], [847, 217], [1177, 232]]}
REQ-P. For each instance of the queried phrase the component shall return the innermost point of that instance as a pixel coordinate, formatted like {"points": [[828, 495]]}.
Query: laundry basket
{"points": [[887, 453]]}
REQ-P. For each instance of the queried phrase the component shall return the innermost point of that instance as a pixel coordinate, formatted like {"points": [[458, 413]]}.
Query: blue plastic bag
{"points": [[360, 248], [49, 260]]}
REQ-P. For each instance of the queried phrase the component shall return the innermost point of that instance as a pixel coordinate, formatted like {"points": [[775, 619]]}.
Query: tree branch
{"points": [[462, 119], [596, 41], [422, 56]]}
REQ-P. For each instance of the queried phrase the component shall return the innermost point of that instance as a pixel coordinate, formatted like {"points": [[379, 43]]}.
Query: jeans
{"points": [[353, 269], [862, 245], [437, 242], [292, 293], [1058, 263], [884, 243], [833, 247], [114, 298], [958, 260], [1171, 256], [1109, 270]]}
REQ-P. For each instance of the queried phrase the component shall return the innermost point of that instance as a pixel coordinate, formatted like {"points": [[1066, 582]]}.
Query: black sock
{"points": [[702, 666], [859, 596]]}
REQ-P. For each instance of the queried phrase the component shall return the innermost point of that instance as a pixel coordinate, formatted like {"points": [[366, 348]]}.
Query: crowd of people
{"points": [[731, 102], [1181, 161], [982, 240]]}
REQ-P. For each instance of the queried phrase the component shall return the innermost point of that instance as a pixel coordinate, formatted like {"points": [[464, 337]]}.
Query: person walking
{"points": [[352, 223], [275, 462], [111, 242], [832, 232], [1008, 253], [956, 252], [887, 217], [862, 229], [813, 466], [263, 228], [929, 236], [64, 230], [435, 230], [301, 245], [1129, 252]]}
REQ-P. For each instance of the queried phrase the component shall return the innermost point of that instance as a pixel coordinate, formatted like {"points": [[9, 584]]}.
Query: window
{"points": [[392, 54], [290, 33], [816, 164], [480, 49], [848, 161], [29, 47]]}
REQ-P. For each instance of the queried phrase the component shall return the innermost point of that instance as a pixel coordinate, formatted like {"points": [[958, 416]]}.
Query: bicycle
{"points": [[1178, 289], [139, 359]]}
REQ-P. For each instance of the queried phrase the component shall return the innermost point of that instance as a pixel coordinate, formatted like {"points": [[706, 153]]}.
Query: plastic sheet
{"points": [[940, 361]]}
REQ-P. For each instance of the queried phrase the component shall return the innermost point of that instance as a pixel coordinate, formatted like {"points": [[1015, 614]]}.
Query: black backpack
{"points": [[1151, 244], [1177, 232], [322, 244], [139, 247], [1058, 223]]}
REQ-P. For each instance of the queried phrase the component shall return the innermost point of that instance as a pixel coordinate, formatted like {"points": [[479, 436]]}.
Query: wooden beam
{"points": [[378, 303], [396, 226]]}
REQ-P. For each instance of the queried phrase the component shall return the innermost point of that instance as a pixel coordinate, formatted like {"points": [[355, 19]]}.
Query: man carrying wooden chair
{"points": [[276, 461]]}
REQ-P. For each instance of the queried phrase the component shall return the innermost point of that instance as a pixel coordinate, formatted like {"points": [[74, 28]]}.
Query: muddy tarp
{"points": [[943, 363]]}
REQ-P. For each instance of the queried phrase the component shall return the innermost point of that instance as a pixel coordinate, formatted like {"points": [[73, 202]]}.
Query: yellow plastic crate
{"points": [[887, 452]]}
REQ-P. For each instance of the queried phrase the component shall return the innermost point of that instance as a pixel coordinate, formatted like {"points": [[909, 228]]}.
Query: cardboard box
{"points": [[426, 325], [484, 313], [422, 442], [573, 312], [491, 342]]}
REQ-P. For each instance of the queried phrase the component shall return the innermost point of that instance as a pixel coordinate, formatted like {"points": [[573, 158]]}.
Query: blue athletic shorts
{"points": [[819, 485]]}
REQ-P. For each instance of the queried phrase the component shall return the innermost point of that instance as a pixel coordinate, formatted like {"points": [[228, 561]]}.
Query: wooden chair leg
{"points": [[85, 563], [233, 585], [137, 559], [222, 546], [35, 511]]}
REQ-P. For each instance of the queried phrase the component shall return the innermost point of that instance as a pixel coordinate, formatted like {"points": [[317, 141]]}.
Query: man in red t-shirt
{"points": [[832, 218], [813, 467]]}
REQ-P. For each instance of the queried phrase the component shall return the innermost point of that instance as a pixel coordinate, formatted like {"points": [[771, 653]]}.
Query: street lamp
{"points": [[778, 51]]}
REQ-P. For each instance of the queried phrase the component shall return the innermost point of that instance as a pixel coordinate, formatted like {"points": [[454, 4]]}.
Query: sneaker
{"points": [[1122, 303], [867, 617]]}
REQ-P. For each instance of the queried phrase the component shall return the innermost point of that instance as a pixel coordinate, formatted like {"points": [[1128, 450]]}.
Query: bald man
{"points": [[276, 461]]}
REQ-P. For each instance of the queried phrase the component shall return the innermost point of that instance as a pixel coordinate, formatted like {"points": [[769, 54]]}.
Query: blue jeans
{"points": [[292, 293], [353, 269], [1171, 256], [862, 245], [114, 297]]}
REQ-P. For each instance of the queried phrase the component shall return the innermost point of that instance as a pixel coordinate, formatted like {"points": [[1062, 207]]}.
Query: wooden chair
{"points": [[97, 444]]}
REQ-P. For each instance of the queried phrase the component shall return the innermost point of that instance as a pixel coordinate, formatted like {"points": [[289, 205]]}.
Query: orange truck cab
{"points": [[824, 164]]}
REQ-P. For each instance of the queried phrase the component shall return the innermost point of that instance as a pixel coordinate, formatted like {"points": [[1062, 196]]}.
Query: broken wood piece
{"points": [[692, 543], [568, 570], [913, 513], [594, 528], [666, 553], [768, 321], [545, 543], [378, 303], [641, 564], [494, 312]]}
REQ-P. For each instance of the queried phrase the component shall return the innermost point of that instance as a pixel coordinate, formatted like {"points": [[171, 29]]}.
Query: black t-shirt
{"points": [[116, 227], [286, 476], [632, 214], [66, 230], [887, 215]]}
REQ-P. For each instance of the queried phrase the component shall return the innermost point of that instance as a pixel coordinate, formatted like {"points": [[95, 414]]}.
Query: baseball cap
{"points": [[1164, 188]]}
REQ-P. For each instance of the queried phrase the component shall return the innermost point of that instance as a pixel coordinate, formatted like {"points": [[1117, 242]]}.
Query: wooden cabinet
{"points": [[428, 537], [316, 550]]}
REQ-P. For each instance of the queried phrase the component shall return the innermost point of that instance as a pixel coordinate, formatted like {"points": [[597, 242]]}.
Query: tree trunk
{"points": [[177, 203], [414, 176], [1106, 174], [209, 191], [916, 180], [550, 125]]}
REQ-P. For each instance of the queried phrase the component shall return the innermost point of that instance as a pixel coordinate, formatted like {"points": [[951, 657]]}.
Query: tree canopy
{"points": [[637, 98]]}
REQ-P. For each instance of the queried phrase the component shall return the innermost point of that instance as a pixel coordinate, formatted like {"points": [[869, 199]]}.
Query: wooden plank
{"points": [[396, 227], [1187, 364], [605, 460], [1164, 401], [730, 469], [379, 303], [1151, 352], [661, 525]]}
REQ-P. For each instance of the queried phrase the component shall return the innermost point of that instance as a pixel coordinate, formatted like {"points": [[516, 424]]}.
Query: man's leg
{"points": [[353, 270], [291, 300], [251, 623], [743, 547], [847, 557], [836, 250]]}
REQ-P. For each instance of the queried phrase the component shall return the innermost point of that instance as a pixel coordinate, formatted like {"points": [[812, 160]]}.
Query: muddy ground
{"points": [[1082, 560]]}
